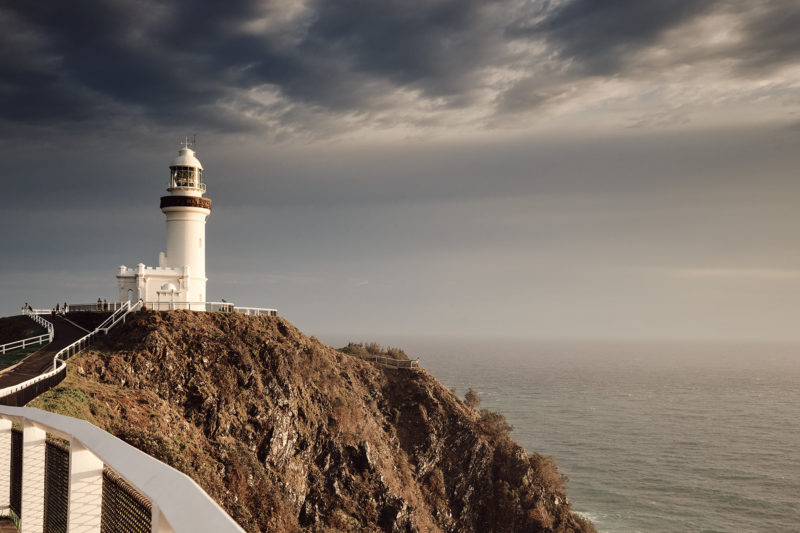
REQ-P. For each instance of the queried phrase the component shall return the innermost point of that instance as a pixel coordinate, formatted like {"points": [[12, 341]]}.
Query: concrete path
{"points": [[41, 360]]}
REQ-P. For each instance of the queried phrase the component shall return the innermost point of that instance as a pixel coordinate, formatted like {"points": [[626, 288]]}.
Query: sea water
{"points": [[654, 437]]}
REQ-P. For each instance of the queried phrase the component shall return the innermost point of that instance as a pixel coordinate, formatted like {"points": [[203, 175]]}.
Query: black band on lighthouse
{"points": [[186, 201]]}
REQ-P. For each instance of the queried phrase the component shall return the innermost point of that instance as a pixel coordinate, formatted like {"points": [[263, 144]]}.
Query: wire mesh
{"points": [[125, 509], [16, 472], [56, 487]]}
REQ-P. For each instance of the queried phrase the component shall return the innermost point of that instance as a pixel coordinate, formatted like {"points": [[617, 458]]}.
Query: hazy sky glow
{"points": [[615, 169]]}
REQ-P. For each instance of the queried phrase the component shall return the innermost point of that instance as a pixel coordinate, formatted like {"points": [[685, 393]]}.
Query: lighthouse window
{"points": [[185, 177], [201, 242]]}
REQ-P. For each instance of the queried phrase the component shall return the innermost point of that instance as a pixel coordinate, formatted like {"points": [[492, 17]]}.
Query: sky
{"points": [[473, 168]]}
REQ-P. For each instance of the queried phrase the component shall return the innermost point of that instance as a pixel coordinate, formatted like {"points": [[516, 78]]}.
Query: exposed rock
{"points": [[288, 434]]}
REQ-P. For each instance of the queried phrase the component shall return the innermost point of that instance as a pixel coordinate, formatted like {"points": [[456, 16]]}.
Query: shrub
{"points": [[360, 349], [546, 473], [472, 399], [353, 348], [396, 353], [493, 423], [374, 348]]}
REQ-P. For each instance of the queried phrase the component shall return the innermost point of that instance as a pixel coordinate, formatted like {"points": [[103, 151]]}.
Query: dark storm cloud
{"points": [[772, 38], [198, 64], [165, 60], [599, 36]]}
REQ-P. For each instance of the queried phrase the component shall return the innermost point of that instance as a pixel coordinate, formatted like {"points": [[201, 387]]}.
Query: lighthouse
{"points": [[179, 280]]}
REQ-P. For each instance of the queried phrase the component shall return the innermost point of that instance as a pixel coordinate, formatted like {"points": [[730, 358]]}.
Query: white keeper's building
{"points": [[179, 280]]}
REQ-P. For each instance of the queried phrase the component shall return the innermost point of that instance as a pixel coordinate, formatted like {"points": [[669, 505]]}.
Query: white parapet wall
{"points": [[178, 504]]}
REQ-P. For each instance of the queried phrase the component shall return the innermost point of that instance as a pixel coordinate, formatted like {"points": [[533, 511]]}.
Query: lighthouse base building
{"points": [[179, 280]]}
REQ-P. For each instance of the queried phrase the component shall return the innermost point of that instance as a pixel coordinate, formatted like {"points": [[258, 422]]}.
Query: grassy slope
{"points": [[16, 328]]}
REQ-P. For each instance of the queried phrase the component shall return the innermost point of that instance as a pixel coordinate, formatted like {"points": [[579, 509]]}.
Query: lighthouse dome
{"points": [[186, 173], [186, 158]]}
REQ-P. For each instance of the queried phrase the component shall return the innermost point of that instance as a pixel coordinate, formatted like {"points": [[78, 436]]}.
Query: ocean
{"points": [[654, 437]]}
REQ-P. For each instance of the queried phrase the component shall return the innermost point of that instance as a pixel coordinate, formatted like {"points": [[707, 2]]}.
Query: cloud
{"points": [[599, 37], [320, 68]]}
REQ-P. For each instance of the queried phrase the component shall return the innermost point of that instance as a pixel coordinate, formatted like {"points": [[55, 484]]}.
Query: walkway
{"points": [[41, 360]]}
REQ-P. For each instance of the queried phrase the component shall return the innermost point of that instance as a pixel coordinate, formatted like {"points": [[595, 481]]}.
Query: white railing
{"points": [[24, 343], [256, 311], [96, 306], [172, 306], [35, 316], [224, 307], [59, 360], [119, 315], [178, 504], [390, 362]]}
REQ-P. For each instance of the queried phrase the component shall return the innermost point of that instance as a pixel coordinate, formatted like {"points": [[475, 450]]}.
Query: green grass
{"points": [[68, 400], [14, 328], [15, 356]]}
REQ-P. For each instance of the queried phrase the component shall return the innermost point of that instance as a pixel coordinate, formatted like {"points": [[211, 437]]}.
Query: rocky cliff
{"points": [[288, 434]]}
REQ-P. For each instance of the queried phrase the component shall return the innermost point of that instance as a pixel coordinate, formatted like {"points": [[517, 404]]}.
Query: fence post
{"points": [[85, 489], [33, 452], [5, 466]]}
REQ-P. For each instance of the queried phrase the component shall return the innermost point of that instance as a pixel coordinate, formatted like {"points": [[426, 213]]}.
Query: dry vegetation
{"points": [[373, 348]]}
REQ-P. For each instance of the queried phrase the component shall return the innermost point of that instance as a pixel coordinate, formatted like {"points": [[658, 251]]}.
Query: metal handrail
{"points": [[102, 306], [225, 307], [256, 311], [122, 309], [7, 347], [388, 361], [34, 315], [59, 359], [179, 504], [128, 309]]}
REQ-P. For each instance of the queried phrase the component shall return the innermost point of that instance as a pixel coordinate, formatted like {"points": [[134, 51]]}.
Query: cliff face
{"points": [[288, 434]]}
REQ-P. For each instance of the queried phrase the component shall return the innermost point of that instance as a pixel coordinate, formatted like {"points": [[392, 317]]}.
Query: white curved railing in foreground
{"points": [[178, 504]]}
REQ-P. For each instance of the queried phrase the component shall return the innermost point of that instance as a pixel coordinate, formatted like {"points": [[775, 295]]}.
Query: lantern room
{"points": [[186, 173]]}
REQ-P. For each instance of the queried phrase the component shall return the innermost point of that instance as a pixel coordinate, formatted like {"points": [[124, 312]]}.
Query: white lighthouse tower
{"points": [[179, 280]]}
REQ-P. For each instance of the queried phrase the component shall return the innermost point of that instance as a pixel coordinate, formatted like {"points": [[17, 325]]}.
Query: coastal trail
{"points": [[41, 360]]}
